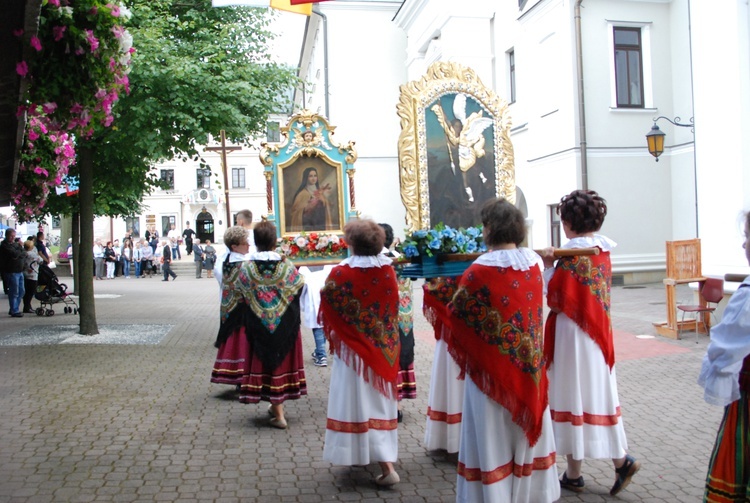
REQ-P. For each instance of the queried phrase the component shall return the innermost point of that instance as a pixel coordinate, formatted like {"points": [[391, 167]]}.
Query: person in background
{"points": [[208, 264], [198, 258], [496, 339], [30, 275], [579, 347], [110, 258], [137, 258], [126, 257], [69, 251], [41, 247], [187, 235], [725, 377], [310, 304], [12, 257], [359, 312], [174, 242], [244, 219], [407, 379], [118, 260], [166, 261], [99, 267], [148, 259]]}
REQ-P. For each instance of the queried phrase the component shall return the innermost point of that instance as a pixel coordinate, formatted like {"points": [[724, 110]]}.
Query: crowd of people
{"points": [[148, 256]]}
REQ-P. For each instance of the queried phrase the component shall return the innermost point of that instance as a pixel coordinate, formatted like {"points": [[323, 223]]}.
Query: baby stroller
{"points": [[50, 291]]}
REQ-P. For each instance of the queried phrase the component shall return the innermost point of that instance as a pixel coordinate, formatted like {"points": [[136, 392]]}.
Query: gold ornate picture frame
{"points": [[454, 149]]}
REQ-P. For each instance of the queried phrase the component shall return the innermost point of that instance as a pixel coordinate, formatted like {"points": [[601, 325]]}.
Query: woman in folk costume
{"points": [[507, 452], [232, 358], [725, 376], [359, 313], [260, 301], [446, 397], [579, 349], [407, 379]]}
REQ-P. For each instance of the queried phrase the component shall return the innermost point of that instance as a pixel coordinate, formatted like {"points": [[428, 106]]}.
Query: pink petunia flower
{"points": [[59, 32], [92, 40], [22, 69], [33, 135], [55, 3], [36, 43], [115, 9], [49, 107]]}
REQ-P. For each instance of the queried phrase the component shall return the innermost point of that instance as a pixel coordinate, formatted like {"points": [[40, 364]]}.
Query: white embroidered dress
{"points": [[582, 391], [355, 403]]}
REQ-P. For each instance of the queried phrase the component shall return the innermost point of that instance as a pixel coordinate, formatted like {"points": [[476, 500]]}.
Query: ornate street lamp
{"points": [[655, 137]]}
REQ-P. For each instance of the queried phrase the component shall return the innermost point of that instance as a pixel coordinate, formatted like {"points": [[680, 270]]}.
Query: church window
{"points": [[203, 178]]}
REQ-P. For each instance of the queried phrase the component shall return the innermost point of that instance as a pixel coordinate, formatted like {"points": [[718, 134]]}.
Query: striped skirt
{"points": [[285, 382], [728, 477]]}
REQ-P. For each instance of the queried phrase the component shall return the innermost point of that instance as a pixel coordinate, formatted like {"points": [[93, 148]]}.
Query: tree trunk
{"points": [[85, 285], [76, 231]]}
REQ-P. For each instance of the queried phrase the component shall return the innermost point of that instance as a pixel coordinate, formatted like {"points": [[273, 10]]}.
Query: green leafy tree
{"points": [[196, 70]]}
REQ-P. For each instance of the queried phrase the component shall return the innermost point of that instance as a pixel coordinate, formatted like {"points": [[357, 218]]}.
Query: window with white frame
{"points": [[628, 67], [167, 177], [203, 178], [554, 226], [238, 178]]}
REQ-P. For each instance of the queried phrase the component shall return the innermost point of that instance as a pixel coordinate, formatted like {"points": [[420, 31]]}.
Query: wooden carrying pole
{"points": [[224, 149], [463, 257]]}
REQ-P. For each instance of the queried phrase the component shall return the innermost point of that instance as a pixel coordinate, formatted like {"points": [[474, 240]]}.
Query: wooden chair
{"points": [[683, 266], [712, 292]]}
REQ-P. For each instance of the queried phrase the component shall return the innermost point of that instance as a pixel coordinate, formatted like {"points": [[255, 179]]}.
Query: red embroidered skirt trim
{"points": [[444, 417], [593, 419], [503, 472], [372, 424]]}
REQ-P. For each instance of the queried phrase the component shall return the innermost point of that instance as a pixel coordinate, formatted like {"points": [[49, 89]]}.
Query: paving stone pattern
{"points": [[142, 423]]}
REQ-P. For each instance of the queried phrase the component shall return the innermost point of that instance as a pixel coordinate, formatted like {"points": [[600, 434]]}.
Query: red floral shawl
{"points": [[359, 314], [580, 289], [438, 292], [496, 336]]}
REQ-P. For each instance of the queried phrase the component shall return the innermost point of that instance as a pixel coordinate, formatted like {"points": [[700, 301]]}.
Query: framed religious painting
{"points": [[454, 149], [310, 189]]}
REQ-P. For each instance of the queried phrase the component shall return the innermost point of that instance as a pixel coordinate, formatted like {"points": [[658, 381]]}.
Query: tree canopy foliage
{"points": [[196, 70]]}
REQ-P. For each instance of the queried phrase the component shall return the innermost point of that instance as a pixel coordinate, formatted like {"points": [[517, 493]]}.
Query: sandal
{"points": [[575, 485], [277, 423], [624, 474]]}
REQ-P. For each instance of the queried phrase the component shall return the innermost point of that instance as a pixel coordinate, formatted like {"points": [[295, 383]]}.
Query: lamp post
{"points": [[655, 141], [655, 137]]}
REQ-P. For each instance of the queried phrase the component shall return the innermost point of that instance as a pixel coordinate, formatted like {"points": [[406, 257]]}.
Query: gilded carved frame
{"points": [[443, 81]]}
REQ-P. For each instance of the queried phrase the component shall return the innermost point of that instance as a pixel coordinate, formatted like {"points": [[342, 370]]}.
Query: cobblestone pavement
{"points": [[142, 422]]}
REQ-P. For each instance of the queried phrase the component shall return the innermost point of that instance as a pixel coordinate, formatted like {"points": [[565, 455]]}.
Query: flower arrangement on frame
{"points": [[443, 239], [313, 245]]}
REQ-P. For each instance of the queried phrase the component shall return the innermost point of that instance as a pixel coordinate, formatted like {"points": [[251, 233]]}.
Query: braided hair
{"points": [[583, 211]]}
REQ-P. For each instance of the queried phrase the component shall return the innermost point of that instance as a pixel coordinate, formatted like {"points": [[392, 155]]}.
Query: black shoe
{"points": [[17, 315], [624, 474], [174, 277], [28, 311], [400, 417], [575, 485], [165, 280]]}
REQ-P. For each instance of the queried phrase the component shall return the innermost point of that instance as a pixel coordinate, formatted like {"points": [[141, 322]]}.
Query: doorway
{"points": [[204, 226]]}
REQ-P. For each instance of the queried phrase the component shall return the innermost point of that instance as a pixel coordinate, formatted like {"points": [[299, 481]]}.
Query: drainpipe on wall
{"points": [[325, 62], [581, 102]]}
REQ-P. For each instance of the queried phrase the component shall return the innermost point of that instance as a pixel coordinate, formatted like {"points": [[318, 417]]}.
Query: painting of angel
{"points": [[460, 159]]}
